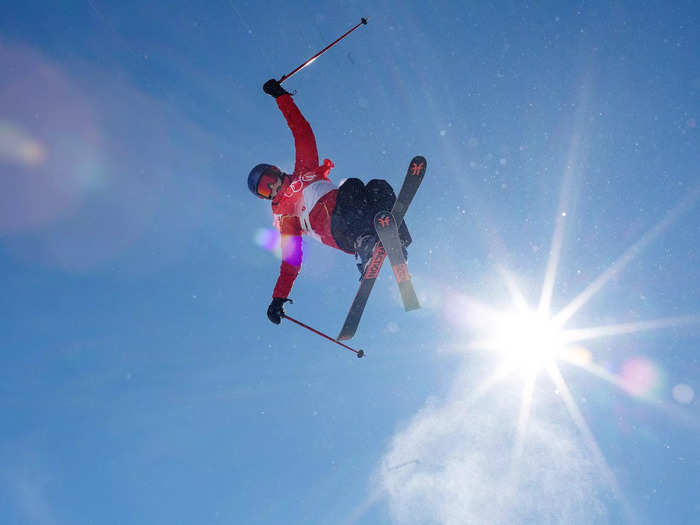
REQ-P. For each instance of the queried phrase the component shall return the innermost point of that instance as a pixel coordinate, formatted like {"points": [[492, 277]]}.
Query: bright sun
{"points": [[531, 339], [528, 338]]}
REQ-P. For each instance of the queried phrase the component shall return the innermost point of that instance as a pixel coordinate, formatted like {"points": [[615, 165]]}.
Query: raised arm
{"points": [[304, 140]]}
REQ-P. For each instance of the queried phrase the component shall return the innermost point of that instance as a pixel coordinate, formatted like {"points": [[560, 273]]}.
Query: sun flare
{"points": [[533, 342], [528, 339]]}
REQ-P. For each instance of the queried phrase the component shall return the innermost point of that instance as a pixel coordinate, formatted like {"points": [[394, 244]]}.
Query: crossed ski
{"points": [[388, 231], [387, 224]]}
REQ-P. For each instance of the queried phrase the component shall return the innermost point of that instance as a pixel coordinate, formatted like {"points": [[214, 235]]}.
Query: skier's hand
{"points": [[274, 88], [275, 312]]}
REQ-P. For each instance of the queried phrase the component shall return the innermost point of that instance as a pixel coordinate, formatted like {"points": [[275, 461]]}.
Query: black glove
{"points": [[275, 312], [274, 88]]}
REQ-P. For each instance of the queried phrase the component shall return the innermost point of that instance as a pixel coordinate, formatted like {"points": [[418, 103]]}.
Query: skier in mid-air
{"points": [[307, 202]]}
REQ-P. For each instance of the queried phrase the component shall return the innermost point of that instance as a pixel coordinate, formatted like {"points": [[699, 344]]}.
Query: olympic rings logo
{"points": [[298, 185]]}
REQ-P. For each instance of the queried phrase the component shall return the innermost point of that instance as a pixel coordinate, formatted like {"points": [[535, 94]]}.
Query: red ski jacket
{"points": [[305, 201]]}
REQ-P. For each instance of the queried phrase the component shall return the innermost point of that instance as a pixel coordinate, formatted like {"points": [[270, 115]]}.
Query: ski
{"points": [[388, 231], [411, 183], [352, 320]]}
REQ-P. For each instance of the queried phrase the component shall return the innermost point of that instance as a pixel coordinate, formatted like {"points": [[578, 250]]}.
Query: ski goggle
{"points": [[267, 180]]}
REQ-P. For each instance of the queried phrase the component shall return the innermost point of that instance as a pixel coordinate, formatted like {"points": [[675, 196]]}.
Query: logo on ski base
{"points": [[375, 264], [401, 273]]}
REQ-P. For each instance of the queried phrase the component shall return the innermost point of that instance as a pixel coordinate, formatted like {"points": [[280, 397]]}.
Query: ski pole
{"points": [[302, 66], [360, 353]]}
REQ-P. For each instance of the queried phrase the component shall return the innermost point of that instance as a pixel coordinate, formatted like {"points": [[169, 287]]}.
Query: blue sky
{"points": [[141, 381]]}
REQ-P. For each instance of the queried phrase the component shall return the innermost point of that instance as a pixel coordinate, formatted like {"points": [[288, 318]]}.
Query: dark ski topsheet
{"points": [[388, 230], [414, 177], [352, 320]]}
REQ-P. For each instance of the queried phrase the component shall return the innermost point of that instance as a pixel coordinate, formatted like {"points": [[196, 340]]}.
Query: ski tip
{"points": [[418, 166], [382, 219]]}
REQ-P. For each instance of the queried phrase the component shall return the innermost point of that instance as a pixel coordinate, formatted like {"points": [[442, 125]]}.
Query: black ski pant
{"points": [[355, 208]]}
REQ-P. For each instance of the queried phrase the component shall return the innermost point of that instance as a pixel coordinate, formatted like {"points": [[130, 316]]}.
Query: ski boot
{"points": [[364, 249]]}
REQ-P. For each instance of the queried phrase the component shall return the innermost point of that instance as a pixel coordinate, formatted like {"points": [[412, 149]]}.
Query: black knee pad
{"points": [[352, 185], [380, 196], [351, 194], [380, 187]]}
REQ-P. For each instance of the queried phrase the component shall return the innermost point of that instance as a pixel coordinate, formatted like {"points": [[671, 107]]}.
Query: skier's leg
{"points": [[349, 218], [381, 197], [352, 225]]}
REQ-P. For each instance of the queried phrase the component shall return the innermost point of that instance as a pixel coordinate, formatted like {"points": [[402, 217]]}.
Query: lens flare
{"points": [[641, 377], [51, 145], [578, 355], [683, 393], [17, 146], [269, 239]]}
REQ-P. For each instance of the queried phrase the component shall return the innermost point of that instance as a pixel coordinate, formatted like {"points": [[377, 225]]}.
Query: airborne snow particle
{"points": [[392, 327]]}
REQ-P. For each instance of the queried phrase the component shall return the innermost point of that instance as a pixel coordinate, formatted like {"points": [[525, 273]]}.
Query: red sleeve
{"points": [[290, 228], [304, 140]]}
